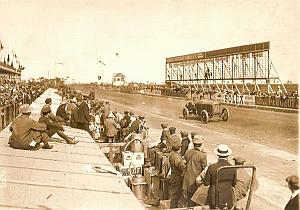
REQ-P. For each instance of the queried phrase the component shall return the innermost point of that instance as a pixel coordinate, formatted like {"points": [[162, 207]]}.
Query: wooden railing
{"points": [[11, 111]]}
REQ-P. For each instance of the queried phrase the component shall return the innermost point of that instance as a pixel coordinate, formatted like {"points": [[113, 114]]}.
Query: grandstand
{"points": [[242, 69], [9, 74]]}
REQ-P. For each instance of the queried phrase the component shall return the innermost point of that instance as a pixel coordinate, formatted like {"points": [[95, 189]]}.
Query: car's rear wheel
{"points": [[225, 114], [204, 116]]}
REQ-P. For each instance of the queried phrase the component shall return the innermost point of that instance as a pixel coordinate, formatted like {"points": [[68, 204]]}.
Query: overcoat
{"points": [[196, 161], [227, 180], [84, 113], [24, 131]]}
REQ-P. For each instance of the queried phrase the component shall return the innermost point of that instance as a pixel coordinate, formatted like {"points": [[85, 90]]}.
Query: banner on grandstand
{"points": [[291, 103], [236, 99]]}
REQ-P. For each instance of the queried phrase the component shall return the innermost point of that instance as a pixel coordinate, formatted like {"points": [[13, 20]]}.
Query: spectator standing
{"points": [[177, 165], [243, 183], [227, 180], [173, 138], [84, 116], [110, 128], [184, 142], [27, 133], [293, 185], [196, 161]]}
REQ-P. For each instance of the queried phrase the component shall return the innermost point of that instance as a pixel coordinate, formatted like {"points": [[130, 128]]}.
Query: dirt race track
{"points": [[269, 140]]}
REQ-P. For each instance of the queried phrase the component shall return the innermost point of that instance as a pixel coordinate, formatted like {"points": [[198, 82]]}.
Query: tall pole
{"points": [[102, 76]]}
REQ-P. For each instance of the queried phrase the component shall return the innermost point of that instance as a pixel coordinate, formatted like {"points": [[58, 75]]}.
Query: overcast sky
{"points": [[135, 36]]}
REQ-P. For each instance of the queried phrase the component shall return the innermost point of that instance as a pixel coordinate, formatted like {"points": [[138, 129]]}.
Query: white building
{"points": [[118, 79]]}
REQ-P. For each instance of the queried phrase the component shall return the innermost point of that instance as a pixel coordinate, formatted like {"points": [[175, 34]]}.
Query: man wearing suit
{"points": [[196, 161], [61, 110], [293, 184], [227, 180], [173, 138], [165, 136], [184, 142], [136, 125], [84, 117], [27, 133], [54, 127], [177, 165]]}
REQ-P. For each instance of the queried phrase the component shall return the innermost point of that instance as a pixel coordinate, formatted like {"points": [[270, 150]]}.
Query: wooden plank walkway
{"points": [[61, 178]]}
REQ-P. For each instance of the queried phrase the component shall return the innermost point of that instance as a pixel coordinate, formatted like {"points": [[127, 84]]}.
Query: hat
{"points": [[74, 100], [175, 142], [164, 125], [48, 100], [110, 115], [126, 112], [194, 134], [131, 113], [46, 108], [172, 129], [198, 139], [184, 133], [239, 160], [25, 108], [141, 116], [64, 101], [293, 180], [223, 150]]}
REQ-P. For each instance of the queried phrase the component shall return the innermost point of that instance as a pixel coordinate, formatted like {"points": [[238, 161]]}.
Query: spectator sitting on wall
{"points": [[52, 126], [27, 133], [61, 110]]}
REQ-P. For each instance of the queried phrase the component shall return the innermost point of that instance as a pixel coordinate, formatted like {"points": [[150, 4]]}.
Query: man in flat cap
{"points": [[293, 184], [243, 182], [48, 102], [177, 165], [54, 127], [28, 133], [164, 137], [196, 161], [137, 125], [227, 180], [173, 138], [184, 142]]}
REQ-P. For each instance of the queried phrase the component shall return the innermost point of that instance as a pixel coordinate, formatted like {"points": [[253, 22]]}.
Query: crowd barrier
{"points": [[11, 111], [236, 99]]}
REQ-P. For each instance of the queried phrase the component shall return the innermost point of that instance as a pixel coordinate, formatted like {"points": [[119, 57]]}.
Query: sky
{"points": [[135, 37]]}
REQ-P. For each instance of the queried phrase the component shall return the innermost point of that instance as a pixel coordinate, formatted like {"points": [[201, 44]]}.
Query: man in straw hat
{"points": [[227, 180], [110, 128], [177, 165], [196, 161], [293, 184], [27, 133]]}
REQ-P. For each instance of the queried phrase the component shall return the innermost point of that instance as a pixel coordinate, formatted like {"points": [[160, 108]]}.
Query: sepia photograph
{"points": [[149, 105]]}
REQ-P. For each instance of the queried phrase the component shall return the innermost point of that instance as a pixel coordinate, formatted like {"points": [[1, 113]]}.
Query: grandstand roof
{"points": [[8, 69]]}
